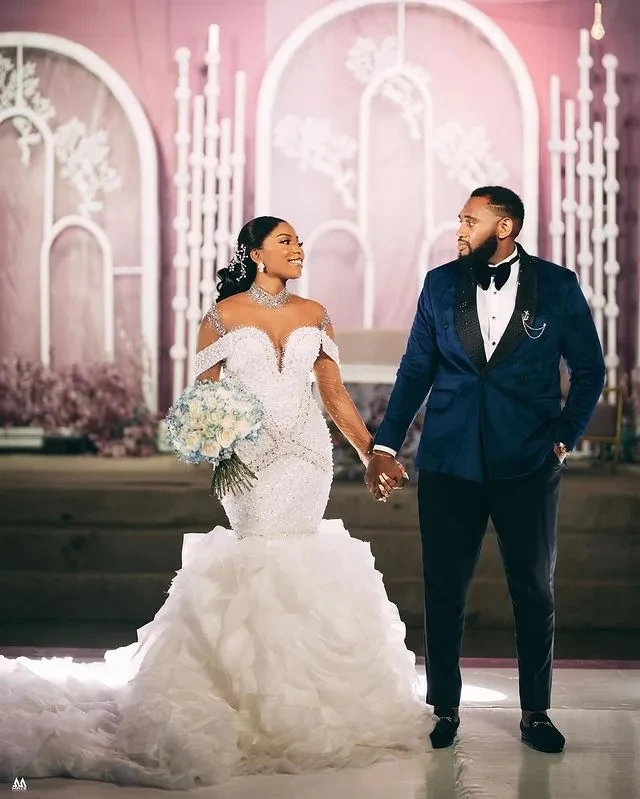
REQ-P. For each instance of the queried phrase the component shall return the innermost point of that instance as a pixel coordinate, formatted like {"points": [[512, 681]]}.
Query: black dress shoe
{"points": [[444, 733], [541, 734]]}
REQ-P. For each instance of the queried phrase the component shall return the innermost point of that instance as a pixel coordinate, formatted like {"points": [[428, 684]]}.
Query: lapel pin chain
{"points": [[531, 330]]}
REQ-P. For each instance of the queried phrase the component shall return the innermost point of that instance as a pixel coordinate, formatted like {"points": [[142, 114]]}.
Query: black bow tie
{"points": [[500, 274]]}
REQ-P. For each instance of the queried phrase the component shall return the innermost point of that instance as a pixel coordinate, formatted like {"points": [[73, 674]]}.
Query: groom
{"points": [[486, 342]]}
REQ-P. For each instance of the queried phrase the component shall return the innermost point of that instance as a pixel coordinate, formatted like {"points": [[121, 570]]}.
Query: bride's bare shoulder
{"points": [[230, 309], [234, 302], [313, 311]]}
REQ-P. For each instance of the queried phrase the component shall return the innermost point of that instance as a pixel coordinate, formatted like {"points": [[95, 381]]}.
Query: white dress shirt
{"points": [[495, 309]]}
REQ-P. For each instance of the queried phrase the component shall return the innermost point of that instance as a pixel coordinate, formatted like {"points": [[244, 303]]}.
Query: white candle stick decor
{"points": [[211, 214], [586, 188], [597, 233], [194, 314], [585, 135], [238, 158], [211, 141], [223, 234], [556, 147], [569, 203], [612, 189], [181, 180]]}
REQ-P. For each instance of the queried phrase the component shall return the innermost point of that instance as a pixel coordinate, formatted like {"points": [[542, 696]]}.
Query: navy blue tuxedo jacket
{"points": [[497, 419]]}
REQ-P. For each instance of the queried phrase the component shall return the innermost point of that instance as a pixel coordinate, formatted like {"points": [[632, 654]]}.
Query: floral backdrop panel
{"points": [[74, 159], [379, 129]]}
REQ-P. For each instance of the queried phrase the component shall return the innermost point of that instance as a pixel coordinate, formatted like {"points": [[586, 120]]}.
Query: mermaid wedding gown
{"points": [[276, 649]]}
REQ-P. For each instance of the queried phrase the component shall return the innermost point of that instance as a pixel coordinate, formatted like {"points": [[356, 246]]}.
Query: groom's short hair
{"points": [[504, 202]]}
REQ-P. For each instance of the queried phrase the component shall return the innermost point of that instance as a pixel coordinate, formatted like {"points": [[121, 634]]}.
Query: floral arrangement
{"points": [[95, 400], [27, 392], [207, 423]]}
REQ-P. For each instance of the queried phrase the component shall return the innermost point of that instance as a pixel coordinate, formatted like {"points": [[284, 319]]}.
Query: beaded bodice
{"points": [[279, 376], [293, 451]]}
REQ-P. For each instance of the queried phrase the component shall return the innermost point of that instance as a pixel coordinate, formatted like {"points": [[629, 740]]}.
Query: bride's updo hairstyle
{"points": [[241, 272]]}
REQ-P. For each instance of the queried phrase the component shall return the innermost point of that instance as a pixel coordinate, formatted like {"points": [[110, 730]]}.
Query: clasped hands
{"points": [[384, 474]]}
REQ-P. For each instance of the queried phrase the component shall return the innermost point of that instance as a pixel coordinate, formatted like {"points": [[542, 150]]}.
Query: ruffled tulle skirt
{"points": [[269, 654]]}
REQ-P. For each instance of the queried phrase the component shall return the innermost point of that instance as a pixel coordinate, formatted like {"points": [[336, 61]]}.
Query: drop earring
{"points": [[261, 267]]}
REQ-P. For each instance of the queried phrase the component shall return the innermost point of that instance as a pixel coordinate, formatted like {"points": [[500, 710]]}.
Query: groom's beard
{"points": [[482, 252]]}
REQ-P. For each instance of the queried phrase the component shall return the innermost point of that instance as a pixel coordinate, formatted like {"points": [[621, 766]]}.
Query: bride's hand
{"points": [[384, 475]]}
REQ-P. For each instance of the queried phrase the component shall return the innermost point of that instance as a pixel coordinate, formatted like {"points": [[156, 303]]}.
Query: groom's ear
{"points": [[505, 227]]}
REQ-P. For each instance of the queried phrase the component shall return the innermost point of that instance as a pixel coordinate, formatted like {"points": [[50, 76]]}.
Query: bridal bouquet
{"points": [[207, 422]]}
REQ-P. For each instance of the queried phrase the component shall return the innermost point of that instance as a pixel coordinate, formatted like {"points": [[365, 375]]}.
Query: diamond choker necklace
{"points": [[267, 300]]}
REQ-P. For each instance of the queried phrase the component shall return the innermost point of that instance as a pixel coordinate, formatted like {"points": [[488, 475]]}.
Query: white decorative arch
{"points": [[108, 274], [487, 28], [356, 233], [148, 267], [363, 173]]}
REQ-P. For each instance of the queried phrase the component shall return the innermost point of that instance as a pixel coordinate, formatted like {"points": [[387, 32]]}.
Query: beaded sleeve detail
{"points": [[213, 317], [325, 321], [210, 356], [330, 348]]}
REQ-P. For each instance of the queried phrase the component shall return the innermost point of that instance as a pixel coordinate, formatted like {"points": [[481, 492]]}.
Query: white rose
{"points": [[210, 450], [194, 406], [196, 416], [192, 441], [227, 438], [244, 427]]}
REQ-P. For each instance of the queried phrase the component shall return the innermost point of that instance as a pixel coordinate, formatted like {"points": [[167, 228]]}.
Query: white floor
{"points": [[598, 710]]}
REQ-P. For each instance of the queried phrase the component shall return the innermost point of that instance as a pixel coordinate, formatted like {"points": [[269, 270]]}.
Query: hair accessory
{"points": [[237, 261]]}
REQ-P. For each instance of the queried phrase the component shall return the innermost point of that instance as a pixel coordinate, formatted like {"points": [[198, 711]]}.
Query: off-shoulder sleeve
{"points": [[330, 348], [210, 356], [214, 345]]}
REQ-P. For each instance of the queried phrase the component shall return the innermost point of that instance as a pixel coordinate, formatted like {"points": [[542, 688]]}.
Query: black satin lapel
{"points": [[466, 320], [526, 301]]}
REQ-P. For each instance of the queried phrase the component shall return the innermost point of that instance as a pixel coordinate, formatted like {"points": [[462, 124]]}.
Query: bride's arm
{"points": [[207, 364], [339, 404]]}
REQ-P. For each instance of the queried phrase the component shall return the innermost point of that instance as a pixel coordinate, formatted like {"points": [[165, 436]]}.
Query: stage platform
{"points": [[88, 547]]}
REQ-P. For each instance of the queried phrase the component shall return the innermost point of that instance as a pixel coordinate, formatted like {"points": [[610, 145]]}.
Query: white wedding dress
{"points": [[276, 649]]}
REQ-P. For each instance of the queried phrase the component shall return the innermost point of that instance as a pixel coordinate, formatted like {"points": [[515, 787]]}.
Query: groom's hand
{"points": [[383, 475], [560, 452]]}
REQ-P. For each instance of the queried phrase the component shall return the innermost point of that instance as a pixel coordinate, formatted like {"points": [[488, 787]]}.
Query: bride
{"points": [[277, 648]]}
